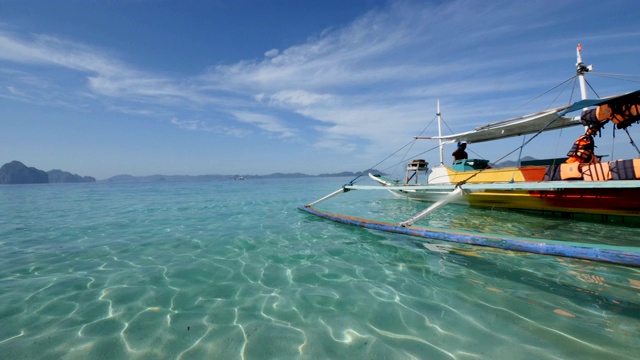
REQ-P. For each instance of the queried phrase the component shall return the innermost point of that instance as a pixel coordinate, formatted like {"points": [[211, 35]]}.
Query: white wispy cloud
{"points": [[265, 122], [105, 74], [370, 80], [340, 145], [192, 125], [271, 53], [201, 125], [375, 80], [297, 98]]}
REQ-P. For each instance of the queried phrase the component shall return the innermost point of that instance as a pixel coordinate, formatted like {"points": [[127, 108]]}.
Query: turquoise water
{"points": [[231, 270]]}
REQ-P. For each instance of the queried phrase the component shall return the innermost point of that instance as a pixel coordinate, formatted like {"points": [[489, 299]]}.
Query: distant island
{"points": [[182, 178], [16, 172]]}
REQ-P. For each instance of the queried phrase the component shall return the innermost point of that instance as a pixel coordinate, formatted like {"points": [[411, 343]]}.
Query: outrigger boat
{"points": [[578, 184]]}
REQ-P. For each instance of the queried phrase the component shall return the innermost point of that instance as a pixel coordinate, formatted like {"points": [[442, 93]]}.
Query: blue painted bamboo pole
{"points": [[628, 256]]}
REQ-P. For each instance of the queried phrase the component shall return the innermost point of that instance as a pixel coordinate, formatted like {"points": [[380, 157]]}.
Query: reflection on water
{"points": [[490, 221], [227, 270]]}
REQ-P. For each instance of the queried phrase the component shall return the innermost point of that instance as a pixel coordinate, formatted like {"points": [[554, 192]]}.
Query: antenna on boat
{"points": [[440, 134], [581, 69]]}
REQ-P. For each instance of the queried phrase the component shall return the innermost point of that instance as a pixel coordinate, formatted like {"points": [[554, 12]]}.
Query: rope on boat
{"points": [[621, 77], [574, 77], [631, 141], [524, 143], [381, 161], [515, 169]]}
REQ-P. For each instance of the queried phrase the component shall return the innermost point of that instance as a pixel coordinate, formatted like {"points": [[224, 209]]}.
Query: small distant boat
{"points": [[578, 184], [239, 178]]}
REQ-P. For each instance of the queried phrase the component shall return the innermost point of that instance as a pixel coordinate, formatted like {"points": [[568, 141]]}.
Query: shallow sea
{"points": [[232, 270]]}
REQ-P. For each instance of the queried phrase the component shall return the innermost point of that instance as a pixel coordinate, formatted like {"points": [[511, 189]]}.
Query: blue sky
{"points": [[102, 88]]}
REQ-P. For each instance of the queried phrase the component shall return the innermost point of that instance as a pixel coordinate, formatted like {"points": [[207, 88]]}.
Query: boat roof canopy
{"points": [[549, 120], [528, 124], [594, 102]]}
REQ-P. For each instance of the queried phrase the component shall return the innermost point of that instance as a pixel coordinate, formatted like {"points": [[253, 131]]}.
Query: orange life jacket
{"points": [[582, 150], [622, 112]]}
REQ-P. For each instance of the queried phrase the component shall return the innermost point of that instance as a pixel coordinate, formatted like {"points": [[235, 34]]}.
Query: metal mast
{"points": [[581, 70], [440, 134]]}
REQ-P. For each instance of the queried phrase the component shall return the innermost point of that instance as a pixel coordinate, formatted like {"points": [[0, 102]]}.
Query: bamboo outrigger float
{"points": [[622, 255], [580, 184]]}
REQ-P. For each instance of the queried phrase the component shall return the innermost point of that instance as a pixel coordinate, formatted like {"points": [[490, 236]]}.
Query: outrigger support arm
{"points": [[458, 191], [337, 192]]}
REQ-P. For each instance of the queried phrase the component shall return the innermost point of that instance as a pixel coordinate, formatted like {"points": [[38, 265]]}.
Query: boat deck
{"points": [[504, 186]]}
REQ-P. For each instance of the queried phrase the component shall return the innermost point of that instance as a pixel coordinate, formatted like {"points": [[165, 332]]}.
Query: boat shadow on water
{"points": [[588, 284]]}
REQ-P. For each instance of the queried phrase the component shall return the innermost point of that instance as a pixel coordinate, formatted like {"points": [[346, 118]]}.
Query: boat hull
{"points": [[622, 202], [530, 192]]}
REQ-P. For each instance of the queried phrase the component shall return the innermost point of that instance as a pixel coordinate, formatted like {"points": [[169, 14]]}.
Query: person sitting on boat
{"points": [[582, 150], [460, 154]]}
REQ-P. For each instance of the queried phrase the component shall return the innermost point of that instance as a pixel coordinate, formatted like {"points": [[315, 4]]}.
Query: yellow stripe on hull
{"points": [[489, 175], [506, 199]]}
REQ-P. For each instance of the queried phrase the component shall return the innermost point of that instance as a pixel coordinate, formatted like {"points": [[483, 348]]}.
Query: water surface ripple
{"points": [[231, 270]]}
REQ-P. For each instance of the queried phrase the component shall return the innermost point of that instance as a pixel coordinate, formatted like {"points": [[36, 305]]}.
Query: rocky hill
{"points": [[59, 176], [174, 178], [16, 172]]}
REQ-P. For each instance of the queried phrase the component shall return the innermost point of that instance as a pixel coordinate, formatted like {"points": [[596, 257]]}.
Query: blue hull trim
{"points": [[628, 256]]}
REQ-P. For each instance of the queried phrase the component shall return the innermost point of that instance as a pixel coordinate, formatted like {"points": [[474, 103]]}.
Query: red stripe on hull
{"points": [[612, 201], [622, 202]]}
